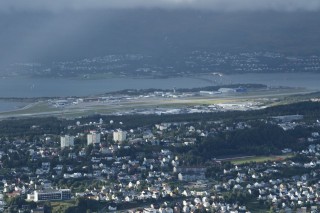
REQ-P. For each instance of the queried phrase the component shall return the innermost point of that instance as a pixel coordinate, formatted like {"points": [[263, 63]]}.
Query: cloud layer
{"points": [[218, 5]]}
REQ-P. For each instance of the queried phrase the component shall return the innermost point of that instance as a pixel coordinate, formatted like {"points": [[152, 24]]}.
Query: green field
{"points": [[259, 159], [60, 207]]}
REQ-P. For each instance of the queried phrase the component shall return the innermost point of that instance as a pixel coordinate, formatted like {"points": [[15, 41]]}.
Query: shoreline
{"points": [[149, 77]]}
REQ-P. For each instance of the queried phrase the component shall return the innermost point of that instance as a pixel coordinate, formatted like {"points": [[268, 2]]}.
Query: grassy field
{"points": [[60, 207], [259, 159]]}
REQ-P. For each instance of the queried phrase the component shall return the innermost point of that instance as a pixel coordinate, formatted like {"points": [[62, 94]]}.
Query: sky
{"points": [[220, 5], [35, 30]]}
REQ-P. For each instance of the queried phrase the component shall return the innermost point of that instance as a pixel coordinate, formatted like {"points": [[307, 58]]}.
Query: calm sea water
{"points": [[9, 105], [304, 80], [49, 87]]}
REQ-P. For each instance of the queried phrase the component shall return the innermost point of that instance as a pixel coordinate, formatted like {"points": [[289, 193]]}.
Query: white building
{"points": [[66, 141], [227, 90], [93, 138], [47, 195], [119, 136]]}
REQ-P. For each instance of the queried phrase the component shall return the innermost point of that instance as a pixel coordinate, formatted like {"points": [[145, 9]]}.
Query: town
{"points": [[159, 106], [188, 63], [234, 161]]}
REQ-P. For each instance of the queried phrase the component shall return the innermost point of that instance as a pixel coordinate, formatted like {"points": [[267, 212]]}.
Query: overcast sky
{"points": [[57, 29], [220, 5]]}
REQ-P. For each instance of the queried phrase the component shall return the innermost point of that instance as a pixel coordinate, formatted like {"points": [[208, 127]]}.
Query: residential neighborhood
{"points": [[196, 61], [148, 169], [159, 106]]}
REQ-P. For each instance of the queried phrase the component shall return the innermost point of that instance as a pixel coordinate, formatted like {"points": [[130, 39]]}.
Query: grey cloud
{"points": [[220, 5]]}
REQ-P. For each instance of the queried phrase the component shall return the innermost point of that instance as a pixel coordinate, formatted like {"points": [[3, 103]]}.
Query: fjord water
{"points": [[10, 105], [53, 87]]}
